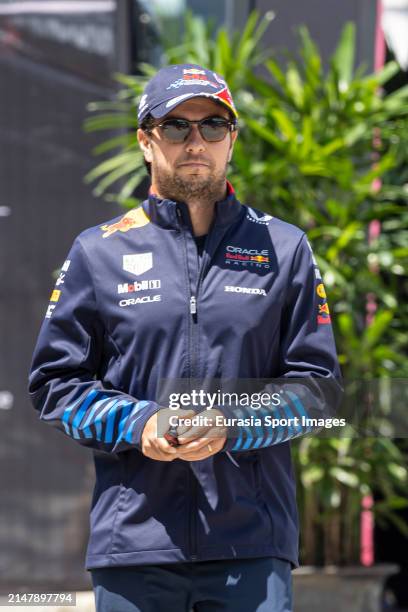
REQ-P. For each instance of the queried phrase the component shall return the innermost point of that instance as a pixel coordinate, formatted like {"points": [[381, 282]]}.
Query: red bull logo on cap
{"points": [[193, 73]]}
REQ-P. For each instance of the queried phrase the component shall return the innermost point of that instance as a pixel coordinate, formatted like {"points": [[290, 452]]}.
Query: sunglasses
{"points": [[212, 129]]}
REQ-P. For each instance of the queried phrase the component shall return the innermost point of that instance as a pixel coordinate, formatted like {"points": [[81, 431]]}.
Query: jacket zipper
{"points": [[193, 347], [194, 316], [194, 355], [191, 478]]}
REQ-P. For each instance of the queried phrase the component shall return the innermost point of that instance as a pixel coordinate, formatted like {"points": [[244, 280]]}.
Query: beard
{"points": [[207, 189]]}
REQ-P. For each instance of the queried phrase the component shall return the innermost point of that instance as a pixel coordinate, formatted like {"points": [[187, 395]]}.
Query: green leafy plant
{"points": [[325, 150]]}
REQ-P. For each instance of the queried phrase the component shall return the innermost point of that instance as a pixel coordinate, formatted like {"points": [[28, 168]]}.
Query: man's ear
{"points": [[145, 145], [233, 139]]}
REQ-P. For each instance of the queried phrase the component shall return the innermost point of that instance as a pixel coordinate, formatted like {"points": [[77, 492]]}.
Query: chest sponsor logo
{"points": [[247, 257], [253, 217], [139, 286], [146, 299], [138, 263], [250, 290]]}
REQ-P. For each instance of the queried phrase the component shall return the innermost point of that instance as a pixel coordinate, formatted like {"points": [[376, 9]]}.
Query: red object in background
{"points": [[367, 531], [374, 230]]}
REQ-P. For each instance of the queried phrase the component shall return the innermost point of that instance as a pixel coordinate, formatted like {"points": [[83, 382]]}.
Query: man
{"points": [[191, 285]]}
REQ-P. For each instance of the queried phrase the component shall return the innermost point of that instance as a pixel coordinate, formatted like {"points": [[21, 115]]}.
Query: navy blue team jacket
{"points": [[133, 304]]}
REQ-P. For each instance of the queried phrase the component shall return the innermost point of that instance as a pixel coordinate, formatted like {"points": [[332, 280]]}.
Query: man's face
{"points": [[194, 168]]}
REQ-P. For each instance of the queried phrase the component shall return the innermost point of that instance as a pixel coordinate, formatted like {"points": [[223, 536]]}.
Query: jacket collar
{"points": [[164, 212]]}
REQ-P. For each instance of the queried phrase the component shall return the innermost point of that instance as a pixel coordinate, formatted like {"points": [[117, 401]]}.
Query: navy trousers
{"points": [[244, 585]]}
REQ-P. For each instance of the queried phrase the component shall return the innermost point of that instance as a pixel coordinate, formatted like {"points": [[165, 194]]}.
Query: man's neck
{"points": [[201, 212], [201, 215]]}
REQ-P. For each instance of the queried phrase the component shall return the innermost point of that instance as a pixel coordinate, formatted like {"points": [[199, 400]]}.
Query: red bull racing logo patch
{"points": [[247, 257], [193, 76], [131, 220]]}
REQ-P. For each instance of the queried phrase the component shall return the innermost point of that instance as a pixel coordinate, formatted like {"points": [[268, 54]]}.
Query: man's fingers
{"points": [[212, 447], [161, 445], [205, 433], [192, 434], [159, 449], [164, 416], [189, 446], [204, 445]]}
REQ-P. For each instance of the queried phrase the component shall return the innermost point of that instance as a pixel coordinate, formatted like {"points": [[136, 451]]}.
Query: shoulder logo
{"points": [[252, 216], [134, 218], [138, 263], [316, 267]]}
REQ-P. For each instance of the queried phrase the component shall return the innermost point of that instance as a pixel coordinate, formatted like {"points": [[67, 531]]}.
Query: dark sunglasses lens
{"points": [[214, 130], [175, 131]]}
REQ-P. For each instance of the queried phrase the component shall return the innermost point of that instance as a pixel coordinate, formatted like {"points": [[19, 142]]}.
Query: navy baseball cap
{"points": [[177, 83]]}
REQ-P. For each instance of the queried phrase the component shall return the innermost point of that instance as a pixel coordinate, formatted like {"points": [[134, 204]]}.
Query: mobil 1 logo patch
{"points": [[136, 286]]}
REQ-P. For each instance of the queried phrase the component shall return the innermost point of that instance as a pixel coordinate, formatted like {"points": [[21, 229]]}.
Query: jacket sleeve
{"points": [[309, 380], [63, 382]]}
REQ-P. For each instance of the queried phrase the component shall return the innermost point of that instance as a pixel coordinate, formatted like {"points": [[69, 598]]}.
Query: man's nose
{"points": [[195, 142]]}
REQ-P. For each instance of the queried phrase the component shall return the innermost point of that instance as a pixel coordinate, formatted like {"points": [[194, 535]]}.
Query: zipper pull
{"points": [[179, 219], [193, 305]]}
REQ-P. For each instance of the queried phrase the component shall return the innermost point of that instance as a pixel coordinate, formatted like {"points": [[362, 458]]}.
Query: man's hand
{"points": [[197, 443], [153, 443]]}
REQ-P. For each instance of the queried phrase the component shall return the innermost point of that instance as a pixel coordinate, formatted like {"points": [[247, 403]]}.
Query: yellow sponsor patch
{"points": [[55, 295], [320, 291], [134, 218]]}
